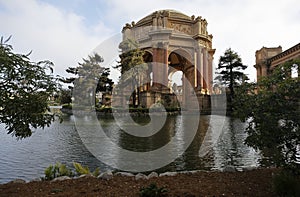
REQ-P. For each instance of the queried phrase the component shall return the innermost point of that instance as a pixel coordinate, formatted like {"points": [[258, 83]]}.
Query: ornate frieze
{"points": [[182, 28]]}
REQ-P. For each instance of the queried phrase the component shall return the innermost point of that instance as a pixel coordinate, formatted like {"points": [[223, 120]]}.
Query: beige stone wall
{"points": [[268, 58]]}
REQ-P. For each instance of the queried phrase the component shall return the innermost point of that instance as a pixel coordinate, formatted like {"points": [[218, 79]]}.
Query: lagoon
{"points": [[222, 136]]}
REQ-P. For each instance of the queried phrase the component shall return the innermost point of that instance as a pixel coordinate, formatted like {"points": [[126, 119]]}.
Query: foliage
{"points": [[229, 69], [131, 56], [153, 191], [89, 78], [65, 97], [57, 170], [286, 184], [25, 87], [85, 169], [91, 68], [88, 74], [133, 68], [272, 112], [105, 84]]}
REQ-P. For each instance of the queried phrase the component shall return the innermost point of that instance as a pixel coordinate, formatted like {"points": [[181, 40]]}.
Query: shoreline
{"points": [[143, 113], [198, 183], [144, 175]]}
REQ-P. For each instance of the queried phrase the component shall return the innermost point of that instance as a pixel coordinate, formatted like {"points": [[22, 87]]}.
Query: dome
{"points": [[172, 14]]}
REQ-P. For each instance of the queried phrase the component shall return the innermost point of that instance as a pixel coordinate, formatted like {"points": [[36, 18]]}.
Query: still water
{"points": [[218, 143]]}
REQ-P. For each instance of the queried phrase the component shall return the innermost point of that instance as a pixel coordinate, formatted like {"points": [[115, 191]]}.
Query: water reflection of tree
{"points": [[190, 159], [231, 150]]}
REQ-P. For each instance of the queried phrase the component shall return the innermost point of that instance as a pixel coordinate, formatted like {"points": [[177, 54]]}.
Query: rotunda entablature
{"points": [[174, 23]]}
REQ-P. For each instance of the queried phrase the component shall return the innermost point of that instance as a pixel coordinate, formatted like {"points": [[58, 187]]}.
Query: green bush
{"points": [[153, 191], [286, 183], [57, 170], [80, 170]]}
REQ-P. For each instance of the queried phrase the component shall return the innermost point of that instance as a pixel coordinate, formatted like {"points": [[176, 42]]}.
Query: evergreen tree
{"points": [[65, 96], [25, 88], [229, 67], [91, 76], [132, 67], [105, 84]]}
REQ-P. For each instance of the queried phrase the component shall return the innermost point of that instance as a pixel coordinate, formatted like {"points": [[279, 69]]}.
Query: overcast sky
{"points": [[65, 31]]}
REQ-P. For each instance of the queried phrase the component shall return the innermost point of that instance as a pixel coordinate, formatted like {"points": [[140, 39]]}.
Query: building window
{"points": [[295, 71]]}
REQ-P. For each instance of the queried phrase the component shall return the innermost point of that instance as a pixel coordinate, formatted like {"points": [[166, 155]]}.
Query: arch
{"points": [[182, 52], [179, 60], [148, 56]]}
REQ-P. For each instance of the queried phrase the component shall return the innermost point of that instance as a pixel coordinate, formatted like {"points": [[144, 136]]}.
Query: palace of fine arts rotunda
{"points": [[172, 42]]}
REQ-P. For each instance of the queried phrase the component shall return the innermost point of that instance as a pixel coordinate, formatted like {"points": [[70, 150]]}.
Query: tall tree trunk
{"points": [[231, 83], [231, 96]]}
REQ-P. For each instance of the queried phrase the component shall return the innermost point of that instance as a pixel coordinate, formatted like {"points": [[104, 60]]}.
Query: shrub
{"points": [[80, 170], [57, 170], [286, 183], [153, 191]]}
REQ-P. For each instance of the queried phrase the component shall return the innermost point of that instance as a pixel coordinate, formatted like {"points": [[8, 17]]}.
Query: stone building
{"points": [[268, 58], [173, 42]]}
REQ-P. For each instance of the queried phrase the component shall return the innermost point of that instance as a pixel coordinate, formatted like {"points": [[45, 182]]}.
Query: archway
{"points": [[179, 62]]}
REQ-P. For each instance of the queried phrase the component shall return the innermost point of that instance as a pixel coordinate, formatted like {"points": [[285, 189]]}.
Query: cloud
{"points": [[51, 33], [66, 32], [245, 26]]}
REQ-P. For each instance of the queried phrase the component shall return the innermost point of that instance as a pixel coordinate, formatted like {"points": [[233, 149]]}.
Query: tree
{"points": [[65, 96], [25, 88], [132, 67], [271, 109], [105, 84], [90, 75], [229, 69], [70, 80]]}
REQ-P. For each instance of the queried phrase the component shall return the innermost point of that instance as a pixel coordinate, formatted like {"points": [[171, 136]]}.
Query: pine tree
{"points": [[91, 76], [230, 66]]}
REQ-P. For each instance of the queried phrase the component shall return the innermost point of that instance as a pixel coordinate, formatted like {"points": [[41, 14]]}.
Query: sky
{"points": [[65, 31]]}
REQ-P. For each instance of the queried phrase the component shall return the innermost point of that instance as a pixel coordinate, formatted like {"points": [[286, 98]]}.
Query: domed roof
{"points": [[178, 15], [172, 14]]}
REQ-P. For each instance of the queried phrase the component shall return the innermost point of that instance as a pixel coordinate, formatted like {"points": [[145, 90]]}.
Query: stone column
{"points": [[209, 73], [160, 66], [195, 70], [264, 71], [187, 85], [199, 68], [204, 72], [258, 72]]}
